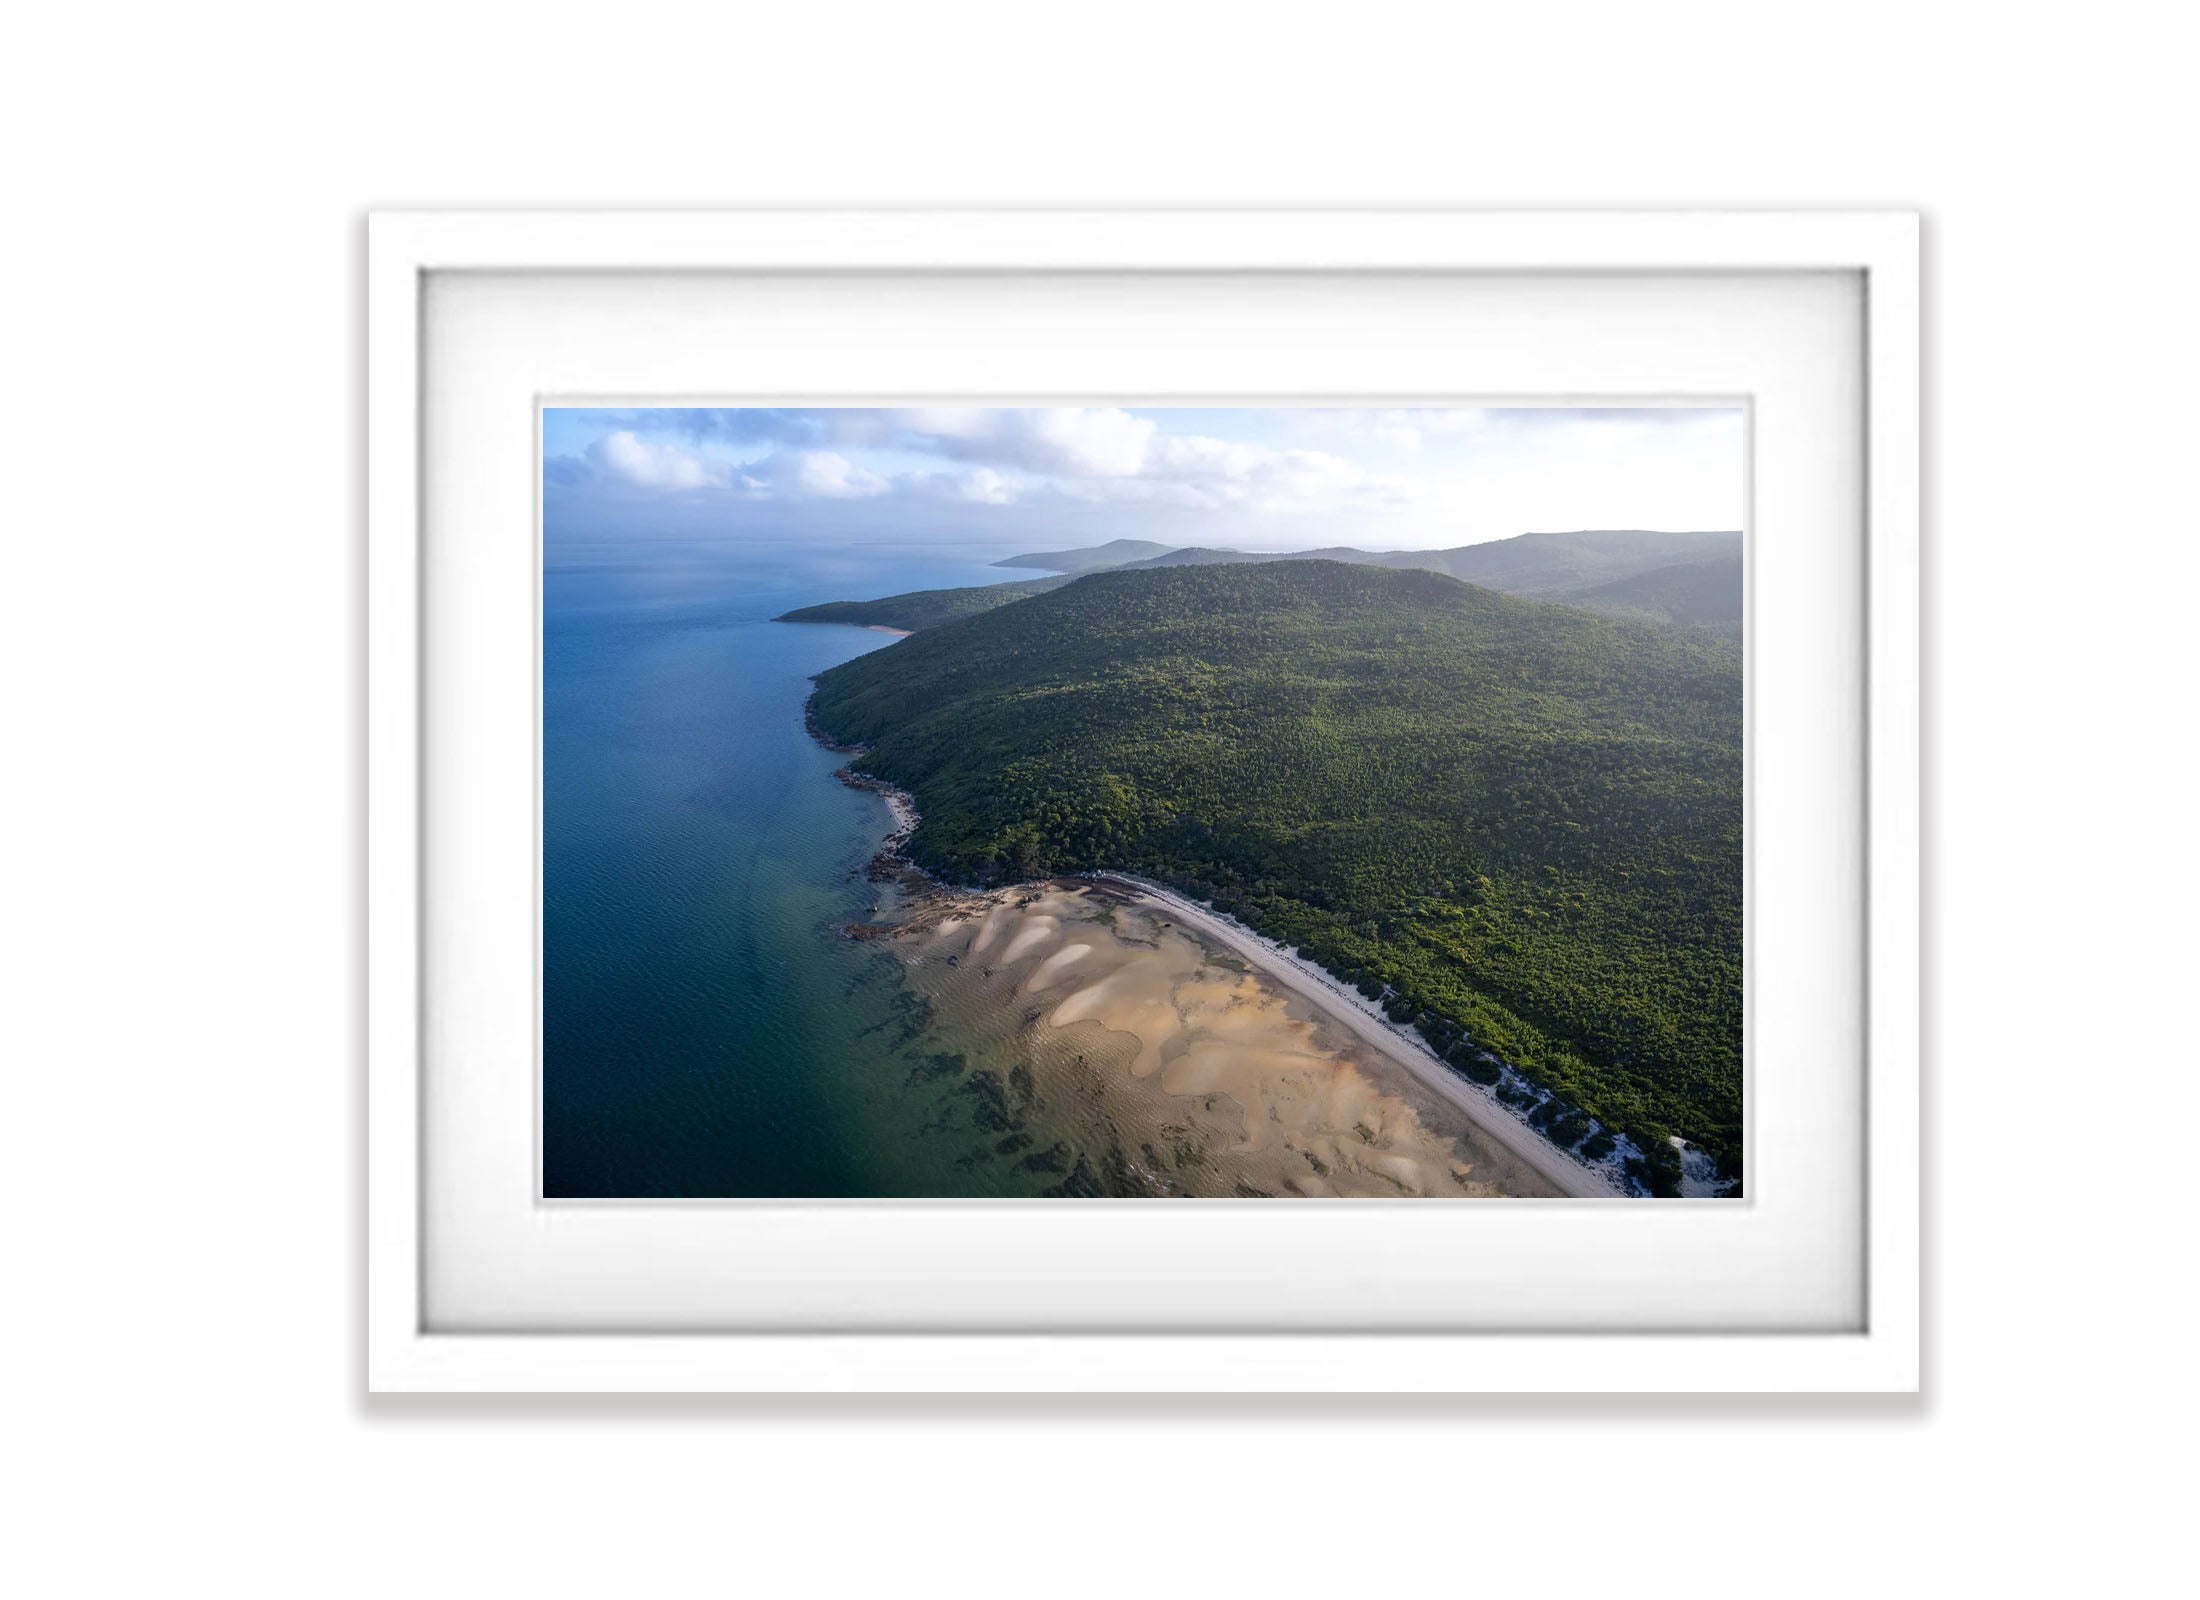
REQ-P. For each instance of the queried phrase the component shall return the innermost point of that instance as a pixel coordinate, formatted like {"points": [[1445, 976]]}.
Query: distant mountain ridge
{"points": [[1691, 578], [1544, 565], [1115, 553], [1703, 594]]}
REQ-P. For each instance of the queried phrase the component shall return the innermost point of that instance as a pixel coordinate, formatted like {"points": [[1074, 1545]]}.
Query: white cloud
{"points": [[975, 486], [982, 486], [653, 464], [1398, 428], [1418, 476], [1194, 456], [811, 475], [1074, 441], [1092, 453], [1104, 455], [1194, 470]]}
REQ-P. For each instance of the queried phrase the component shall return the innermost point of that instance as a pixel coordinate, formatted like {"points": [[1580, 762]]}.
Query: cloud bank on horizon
{"points": [[1286, 477]]}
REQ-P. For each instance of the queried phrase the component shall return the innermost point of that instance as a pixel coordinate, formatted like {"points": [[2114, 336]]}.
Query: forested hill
{"points": [[1539, 564], [1703, 594], [1694, 578], [1115, 553], [1554, 566], [923, 608], [1522, 821], [1568, 567]]}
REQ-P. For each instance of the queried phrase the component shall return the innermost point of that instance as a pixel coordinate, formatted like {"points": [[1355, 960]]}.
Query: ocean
{"points": [[705, 1033]]}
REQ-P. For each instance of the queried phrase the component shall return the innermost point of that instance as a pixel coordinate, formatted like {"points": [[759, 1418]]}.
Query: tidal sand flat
{"points": [[1137, 1057]]}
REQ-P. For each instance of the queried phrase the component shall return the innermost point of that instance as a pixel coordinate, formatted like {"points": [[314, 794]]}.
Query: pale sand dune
{"points": [[1055, 969], [1036, 929], [991, 926], [1138, 999], [1156, 1049]]}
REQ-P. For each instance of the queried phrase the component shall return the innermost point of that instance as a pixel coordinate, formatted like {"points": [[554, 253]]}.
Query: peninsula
{"points": [[1514, 828]]}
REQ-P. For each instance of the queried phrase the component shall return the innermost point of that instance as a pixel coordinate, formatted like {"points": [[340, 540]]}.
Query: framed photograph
{"points": [[1049, 801]]}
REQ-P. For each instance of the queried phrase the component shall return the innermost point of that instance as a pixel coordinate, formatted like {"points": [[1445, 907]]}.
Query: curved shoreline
{"points": [[1147, 1060], [1577, 1179]]}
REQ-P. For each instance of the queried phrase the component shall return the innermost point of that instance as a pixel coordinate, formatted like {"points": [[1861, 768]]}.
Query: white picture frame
{"points": [[405, 250]]}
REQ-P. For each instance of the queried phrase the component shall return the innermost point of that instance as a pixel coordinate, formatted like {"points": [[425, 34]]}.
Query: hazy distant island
{"points": [[1491, 794]]}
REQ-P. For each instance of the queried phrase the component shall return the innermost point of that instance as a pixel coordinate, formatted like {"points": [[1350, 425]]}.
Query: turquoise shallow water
{"points": [[704, 1034]]}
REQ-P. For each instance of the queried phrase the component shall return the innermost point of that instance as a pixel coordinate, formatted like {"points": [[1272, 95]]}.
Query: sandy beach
{"points": [[1144, 1054], [1345, 1008]]}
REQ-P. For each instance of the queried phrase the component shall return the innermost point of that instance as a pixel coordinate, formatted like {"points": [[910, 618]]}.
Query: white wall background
{"points": [[179, 656]]}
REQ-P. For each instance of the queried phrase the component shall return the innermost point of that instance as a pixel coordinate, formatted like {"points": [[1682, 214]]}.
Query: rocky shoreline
{"points": [[889, 864]]}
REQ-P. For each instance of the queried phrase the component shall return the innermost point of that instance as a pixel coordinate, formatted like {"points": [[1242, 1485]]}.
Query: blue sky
{"points": [[1265, 478]]}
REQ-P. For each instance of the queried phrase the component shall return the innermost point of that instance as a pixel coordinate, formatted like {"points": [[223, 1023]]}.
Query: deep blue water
{"points": [[704, 1034]]}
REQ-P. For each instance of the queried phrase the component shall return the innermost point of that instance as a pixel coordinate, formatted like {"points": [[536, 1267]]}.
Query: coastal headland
{"points": [[1181, 1053], [1511, 826]]}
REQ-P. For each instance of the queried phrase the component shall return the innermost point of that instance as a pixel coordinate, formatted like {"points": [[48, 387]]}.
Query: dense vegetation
{"points": [[923, 608], [1519, 824], [1557, 566], [1704, 594], [1538, 561]]}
